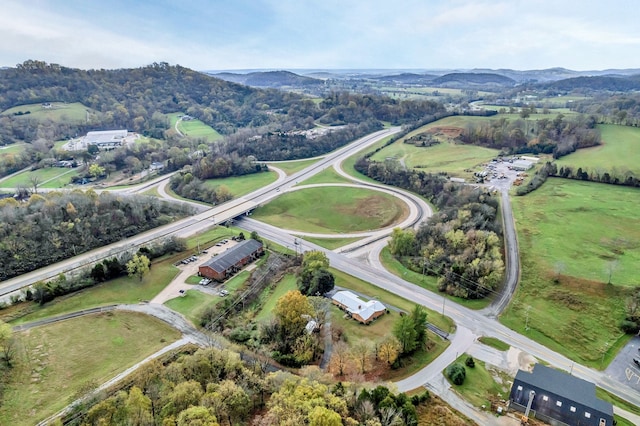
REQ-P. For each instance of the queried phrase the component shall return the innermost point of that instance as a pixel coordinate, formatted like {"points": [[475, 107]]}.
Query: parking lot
{"points": [[188, 267], [623, 369], [499, 176]]}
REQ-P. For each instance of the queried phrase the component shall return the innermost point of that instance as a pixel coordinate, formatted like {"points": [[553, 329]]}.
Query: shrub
{"points": [[456, 373], [469, 362], [629, 327]]}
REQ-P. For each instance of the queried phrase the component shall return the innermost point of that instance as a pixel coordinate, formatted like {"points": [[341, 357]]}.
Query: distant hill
{"points": [[271, 79], [463, 79], [599, 83], [407, 78]]}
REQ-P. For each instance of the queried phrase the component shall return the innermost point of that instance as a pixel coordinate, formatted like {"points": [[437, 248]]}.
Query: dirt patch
{"points": [[437, 412], [591, 287], [519, 360], [567, 299], [446, 131]]}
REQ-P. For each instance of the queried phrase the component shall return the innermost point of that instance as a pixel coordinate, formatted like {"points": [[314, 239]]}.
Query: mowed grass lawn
{"points": [[619, 152], [291, 167], [328, 175], [242, 185], [56, 361], [119, 290], [576, 233], [192, 305], [287, 283], [333, 210], [195, 128], [331, 243], [50, 177]]}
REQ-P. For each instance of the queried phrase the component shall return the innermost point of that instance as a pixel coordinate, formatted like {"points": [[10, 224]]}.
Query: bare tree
{"points": [[612, 266], [35, 182]]}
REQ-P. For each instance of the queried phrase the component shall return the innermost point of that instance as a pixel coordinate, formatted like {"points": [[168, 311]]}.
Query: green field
{"points": [[54, 362], [291, 167], [619, 153], [59, 112], [194, 128], [242, 185], [287, 283], [333, 210], [192, 305], [119, 290], [13, 149], [331, 243], [480, 384], [447, 156], [50, 177], [572, 236], [328, 175]]}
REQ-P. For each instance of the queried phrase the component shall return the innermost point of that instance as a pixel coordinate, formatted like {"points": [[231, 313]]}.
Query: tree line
{"points": [[559, 136], [55, 226], [216, 387], [461, 243]]}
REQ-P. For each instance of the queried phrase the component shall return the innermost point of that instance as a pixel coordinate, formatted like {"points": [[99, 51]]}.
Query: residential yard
{"points": [[566, 265], [619, 153], [242, 185], [56, 362], [342, 210]]}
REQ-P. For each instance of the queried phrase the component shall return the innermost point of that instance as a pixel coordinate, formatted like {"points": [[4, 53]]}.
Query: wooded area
{"points": [[55, 226]]}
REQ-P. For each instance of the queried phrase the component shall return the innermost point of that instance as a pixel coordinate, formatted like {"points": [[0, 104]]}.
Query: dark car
{"points": [[636, 361]]}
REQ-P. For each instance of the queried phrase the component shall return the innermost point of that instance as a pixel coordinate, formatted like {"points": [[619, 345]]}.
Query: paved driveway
{"points": [[623, 369]]}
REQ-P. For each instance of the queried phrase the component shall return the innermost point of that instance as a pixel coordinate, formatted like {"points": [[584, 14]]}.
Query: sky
{"points": [[323, 34]]}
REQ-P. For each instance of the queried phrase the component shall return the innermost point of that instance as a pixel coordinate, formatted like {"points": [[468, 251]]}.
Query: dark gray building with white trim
{"points": [[560, 399]]}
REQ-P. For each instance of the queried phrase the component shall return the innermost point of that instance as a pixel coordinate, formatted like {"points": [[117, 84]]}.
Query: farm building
{"points": [[529, 158], [521, 165], [559, 398], [106, 139], [361, 311], [231, 261]]}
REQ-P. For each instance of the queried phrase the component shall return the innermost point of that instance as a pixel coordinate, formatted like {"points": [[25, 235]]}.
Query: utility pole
{"points": [[424, 266], [526, 324], [604, 352], [444, 299]]}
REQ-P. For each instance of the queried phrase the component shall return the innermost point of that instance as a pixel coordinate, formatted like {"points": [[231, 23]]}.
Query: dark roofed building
{"points": [[231, 261], [560, 399]]}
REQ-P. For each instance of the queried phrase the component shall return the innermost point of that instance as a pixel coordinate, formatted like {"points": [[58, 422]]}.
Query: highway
{"points": [[470, 324]]}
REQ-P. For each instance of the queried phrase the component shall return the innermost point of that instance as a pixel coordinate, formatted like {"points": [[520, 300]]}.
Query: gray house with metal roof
{"points": [[231, 261], [559, 398]]}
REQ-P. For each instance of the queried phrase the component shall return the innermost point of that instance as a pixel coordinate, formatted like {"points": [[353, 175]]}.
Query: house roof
{"points": [[354, 305], [564, 385], [233, 255]]}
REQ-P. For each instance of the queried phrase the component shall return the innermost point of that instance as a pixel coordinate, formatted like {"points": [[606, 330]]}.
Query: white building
{"points": [[521, 165], [362, 311], [106, 139]]}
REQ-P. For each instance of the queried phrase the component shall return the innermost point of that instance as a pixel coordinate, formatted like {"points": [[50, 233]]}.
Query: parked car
{"points": [[636, 361]]}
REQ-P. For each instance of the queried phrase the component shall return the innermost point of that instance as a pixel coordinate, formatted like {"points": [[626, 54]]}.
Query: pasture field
{"points": [[57, 361], [333, 210], [59, 112], [618, 154], [242, 185], [192, 305], [574, 238], [291, 167], [446, 156], [119, 290], [49, 177], [194, 128]]}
